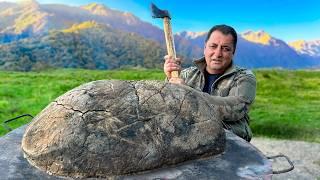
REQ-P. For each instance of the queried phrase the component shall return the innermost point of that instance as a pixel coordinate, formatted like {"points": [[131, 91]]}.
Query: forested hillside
{"points": [[87, 45]]}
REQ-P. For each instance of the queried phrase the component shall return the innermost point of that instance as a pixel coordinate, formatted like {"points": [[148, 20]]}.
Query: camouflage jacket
{"points": [[232, 94]]}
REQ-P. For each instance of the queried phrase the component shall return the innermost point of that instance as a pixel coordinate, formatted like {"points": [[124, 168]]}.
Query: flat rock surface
{"points": [[304, 155], [240, 160]]}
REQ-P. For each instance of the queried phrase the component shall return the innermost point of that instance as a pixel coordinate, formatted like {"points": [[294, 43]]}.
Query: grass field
{"points": [[287, 103]]}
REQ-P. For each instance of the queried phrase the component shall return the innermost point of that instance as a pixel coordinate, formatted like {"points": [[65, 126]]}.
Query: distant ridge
{"points": [[259, 37]]}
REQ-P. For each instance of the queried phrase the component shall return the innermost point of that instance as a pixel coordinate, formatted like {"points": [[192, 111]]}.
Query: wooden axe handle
{"points": [[170, 43]]}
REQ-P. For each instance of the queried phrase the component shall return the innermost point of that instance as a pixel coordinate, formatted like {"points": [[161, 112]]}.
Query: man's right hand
{"points": [[170, 65]]}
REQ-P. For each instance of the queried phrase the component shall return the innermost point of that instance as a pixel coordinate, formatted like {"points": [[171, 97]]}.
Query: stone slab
{"points": [[240, 160]]}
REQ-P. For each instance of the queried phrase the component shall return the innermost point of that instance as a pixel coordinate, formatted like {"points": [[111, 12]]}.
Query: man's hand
{"points": [[170, 65]]}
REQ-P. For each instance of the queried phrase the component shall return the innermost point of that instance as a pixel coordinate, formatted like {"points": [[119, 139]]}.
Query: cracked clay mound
{"points": [[109, 127]]}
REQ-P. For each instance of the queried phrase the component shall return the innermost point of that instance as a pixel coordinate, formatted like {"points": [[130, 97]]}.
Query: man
{"points": [[232, 88]]}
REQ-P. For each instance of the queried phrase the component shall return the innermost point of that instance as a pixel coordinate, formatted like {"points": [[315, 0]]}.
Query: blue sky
{"points": [[288, 20]]}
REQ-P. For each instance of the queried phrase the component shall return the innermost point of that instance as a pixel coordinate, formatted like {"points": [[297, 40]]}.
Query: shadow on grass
{"points": [[285, 131]]}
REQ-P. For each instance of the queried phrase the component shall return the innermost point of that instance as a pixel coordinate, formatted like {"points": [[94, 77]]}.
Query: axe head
{"points": [[158, 13]]}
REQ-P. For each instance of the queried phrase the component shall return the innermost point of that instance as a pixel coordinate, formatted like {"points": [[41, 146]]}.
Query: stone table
{"points": [[240, 160]]}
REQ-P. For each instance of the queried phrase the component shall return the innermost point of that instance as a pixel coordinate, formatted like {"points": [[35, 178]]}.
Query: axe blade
{"points": [[158, 13]]}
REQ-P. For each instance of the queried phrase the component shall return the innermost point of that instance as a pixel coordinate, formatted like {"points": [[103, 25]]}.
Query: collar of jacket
{"points": [[201, 65]]}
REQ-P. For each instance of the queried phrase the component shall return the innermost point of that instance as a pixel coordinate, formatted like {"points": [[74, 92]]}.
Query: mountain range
{"points": [[34, 35]]}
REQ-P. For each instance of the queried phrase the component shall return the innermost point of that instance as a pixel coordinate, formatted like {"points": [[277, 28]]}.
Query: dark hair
{"points": [[226, 30]]}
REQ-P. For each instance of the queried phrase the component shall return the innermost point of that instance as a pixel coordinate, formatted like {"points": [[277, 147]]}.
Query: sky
{"points": [[288, 20]]}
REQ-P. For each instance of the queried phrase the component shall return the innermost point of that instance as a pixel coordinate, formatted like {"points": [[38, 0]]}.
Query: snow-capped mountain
{"points": [[311, 48]]}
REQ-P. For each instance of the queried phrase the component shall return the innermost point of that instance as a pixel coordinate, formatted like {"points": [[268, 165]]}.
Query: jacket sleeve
{"points": [[241, 95]]}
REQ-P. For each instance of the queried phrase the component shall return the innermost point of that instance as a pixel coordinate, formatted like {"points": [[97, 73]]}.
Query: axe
{"points": [[164, 14]]}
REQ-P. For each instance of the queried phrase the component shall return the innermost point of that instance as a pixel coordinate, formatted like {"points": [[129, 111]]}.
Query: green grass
{"points": [[287, 105]]}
